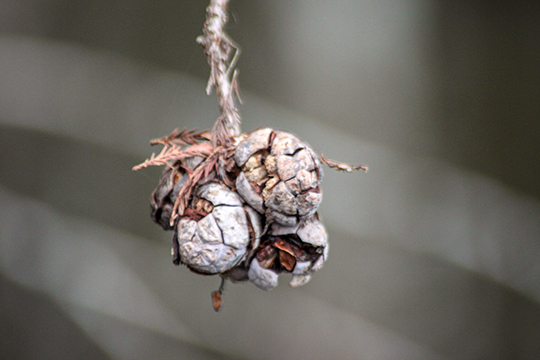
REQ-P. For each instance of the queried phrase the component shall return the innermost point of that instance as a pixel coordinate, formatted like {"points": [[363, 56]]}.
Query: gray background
{"points": [[434, 253]]}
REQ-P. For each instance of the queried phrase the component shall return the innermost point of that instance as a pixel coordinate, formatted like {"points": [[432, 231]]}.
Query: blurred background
{"points": [[434, 252]]}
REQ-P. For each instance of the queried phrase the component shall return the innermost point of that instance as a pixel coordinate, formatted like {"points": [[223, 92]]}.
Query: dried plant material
{"points": [[342, 166], [216, 300], [218, 241], [241, 206], [219, 49], [264, 279], [280, 176]]}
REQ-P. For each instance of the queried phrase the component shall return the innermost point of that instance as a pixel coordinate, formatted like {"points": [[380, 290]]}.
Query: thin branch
{"points": [[218, 48], [342, 166]]}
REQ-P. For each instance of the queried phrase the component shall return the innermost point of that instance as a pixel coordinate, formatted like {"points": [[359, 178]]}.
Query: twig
{"points": [[342, 166], [218, 48]]}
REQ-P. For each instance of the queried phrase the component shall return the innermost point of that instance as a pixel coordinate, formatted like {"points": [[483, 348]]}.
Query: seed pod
{"points": [[280, 176], [214, 232], [299, 250], [164, 196]]}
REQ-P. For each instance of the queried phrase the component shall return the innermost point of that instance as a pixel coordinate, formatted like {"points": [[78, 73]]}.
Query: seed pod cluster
{"points": [[246, 211]]}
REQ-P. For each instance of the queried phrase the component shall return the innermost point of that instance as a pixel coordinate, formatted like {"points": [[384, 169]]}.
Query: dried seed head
{"points": [[214, 233], [280, 176], [164, 196], [299, 250]]}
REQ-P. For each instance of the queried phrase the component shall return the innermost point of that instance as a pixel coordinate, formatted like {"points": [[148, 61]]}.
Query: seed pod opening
{"points": [[299, 250], [279, 176]]}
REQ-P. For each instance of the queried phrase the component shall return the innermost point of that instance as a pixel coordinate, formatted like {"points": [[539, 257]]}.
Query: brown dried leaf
{"points": [[288, 247], [287, 260], [283, 245], [216, 300], [266, 256], [342, 166]]}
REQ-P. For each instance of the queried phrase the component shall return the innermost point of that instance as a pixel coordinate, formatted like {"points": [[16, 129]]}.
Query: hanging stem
{"points": [[219, 49]]}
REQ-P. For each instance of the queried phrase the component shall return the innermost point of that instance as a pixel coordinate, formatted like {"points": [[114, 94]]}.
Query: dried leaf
{"points": [[287, 260], [342, 166], [216, 300], [266, 256], [288, 247]]}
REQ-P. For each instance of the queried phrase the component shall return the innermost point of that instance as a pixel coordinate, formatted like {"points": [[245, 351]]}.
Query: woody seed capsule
{"points": [[213, 234], [280, 176], [299, 250]]}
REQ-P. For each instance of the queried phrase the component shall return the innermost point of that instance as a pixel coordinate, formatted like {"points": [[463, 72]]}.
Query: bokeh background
{"points": [[434, 253]]}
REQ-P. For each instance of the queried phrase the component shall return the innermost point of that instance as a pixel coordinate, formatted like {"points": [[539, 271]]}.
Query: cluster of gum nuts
{"points": [[265, 225]]}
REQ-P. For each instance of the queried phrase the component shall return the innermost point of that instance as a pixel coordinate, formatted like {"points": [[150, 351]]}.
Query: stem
{"points": [[218, 48]]}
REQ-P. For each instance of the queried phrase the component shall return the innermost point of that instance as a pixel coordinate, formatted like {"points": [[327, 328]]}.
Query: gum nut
{"points": [[302, 268], [219, 195], [262, 278], [255, 220], [313, 232], [233, 224], [299, 280], [285, 143], [287, 167], [305, 159], [281, 199], [308, 203], [186, 230], [257, 140], [209, 230], [282, 219], [244, 188]]}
